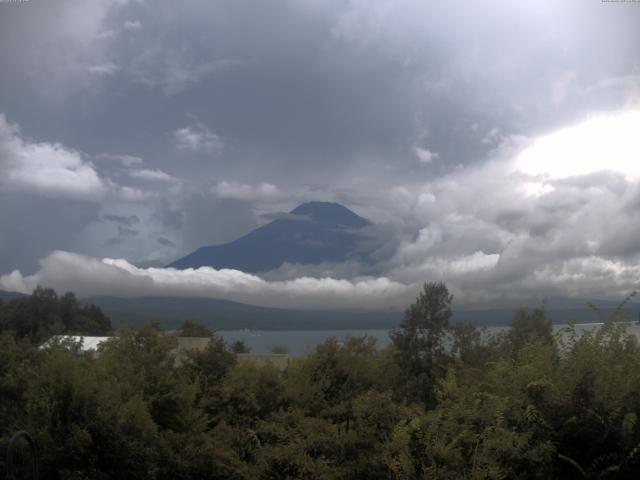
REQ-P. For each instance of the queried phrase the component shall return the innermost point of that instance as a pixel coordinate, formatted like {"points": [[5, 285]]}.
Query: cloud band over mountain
{"points": [[90, 277]]}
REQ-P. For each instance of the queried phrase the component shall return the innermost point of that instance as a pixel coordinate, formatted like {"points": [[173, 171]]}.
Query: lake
{"points": [[299, 342]]}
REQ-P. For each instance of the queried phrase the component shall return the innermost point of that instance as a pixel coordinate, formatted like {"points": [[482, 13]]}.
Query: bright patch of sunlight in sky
{"points": [[601, 143]]}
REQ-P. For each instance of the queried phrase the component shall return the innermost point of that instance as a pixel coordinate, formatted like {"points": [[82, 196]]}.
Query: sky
{"points": [[495, 144]]}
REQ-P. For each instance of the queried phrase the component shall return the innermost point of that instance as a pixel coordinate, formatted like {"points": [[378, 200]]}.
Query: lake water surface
{"points": [[299, 342]]}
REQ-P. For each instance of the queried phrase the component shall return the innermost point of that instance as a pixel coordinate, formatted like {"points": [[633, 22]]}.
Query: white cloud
{"points": [[239, 191], [54, 170], [128, 193], [89, 276], [426, 156], [554, 215], [132, 25], [105, 69], [153, 175], [48, 169], [493, 137], [474, 262], [197, 138], [602, 143]]}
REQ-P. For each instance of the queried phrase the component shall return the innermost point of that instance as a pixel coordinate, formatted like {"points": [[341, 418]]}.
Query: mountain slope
{"points": [[228, 315], [312, 233]]}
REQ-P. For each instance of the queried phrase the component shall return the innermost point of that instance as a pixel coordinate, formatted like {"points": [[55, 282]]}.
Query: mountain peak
{"points": [[330, 212], [330, 233]]}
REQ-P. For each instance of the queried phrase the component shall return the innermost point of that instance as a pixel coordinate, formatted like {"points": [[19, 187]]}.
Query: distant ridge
{"points": [[228, 315], [10, 295], [312, 233]]}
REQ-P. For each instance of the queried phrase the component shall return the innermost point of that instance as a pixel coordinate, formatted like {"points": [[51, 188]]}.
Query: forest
{"points": [[442, 401]]}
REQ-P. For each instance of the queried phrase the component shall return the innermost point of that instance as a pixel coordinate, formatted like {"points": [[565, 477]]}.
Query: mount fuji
{"points": [[312, 233]]}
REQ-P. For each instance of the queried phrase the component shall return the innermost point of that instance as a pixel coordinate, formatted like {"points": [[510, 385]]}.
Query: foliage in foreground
{"points": [[445, 402], [44, 313]]}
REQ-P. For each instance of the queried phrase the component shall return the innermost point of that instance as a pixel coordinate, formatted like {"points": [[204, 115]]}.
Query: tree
{"points": [[528, 327], [466, 344], [419, 341], [189, 328], [43, 314], [209, 366], [240, 347]]}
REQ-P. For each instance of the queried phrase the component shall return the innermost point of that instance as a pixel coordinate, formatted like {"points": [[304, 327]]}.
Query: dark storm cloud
{"points": [[201, 119], [211, 221], [126, 232], [168, 215], [31, 227], [165, 242], [323, 83]]}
